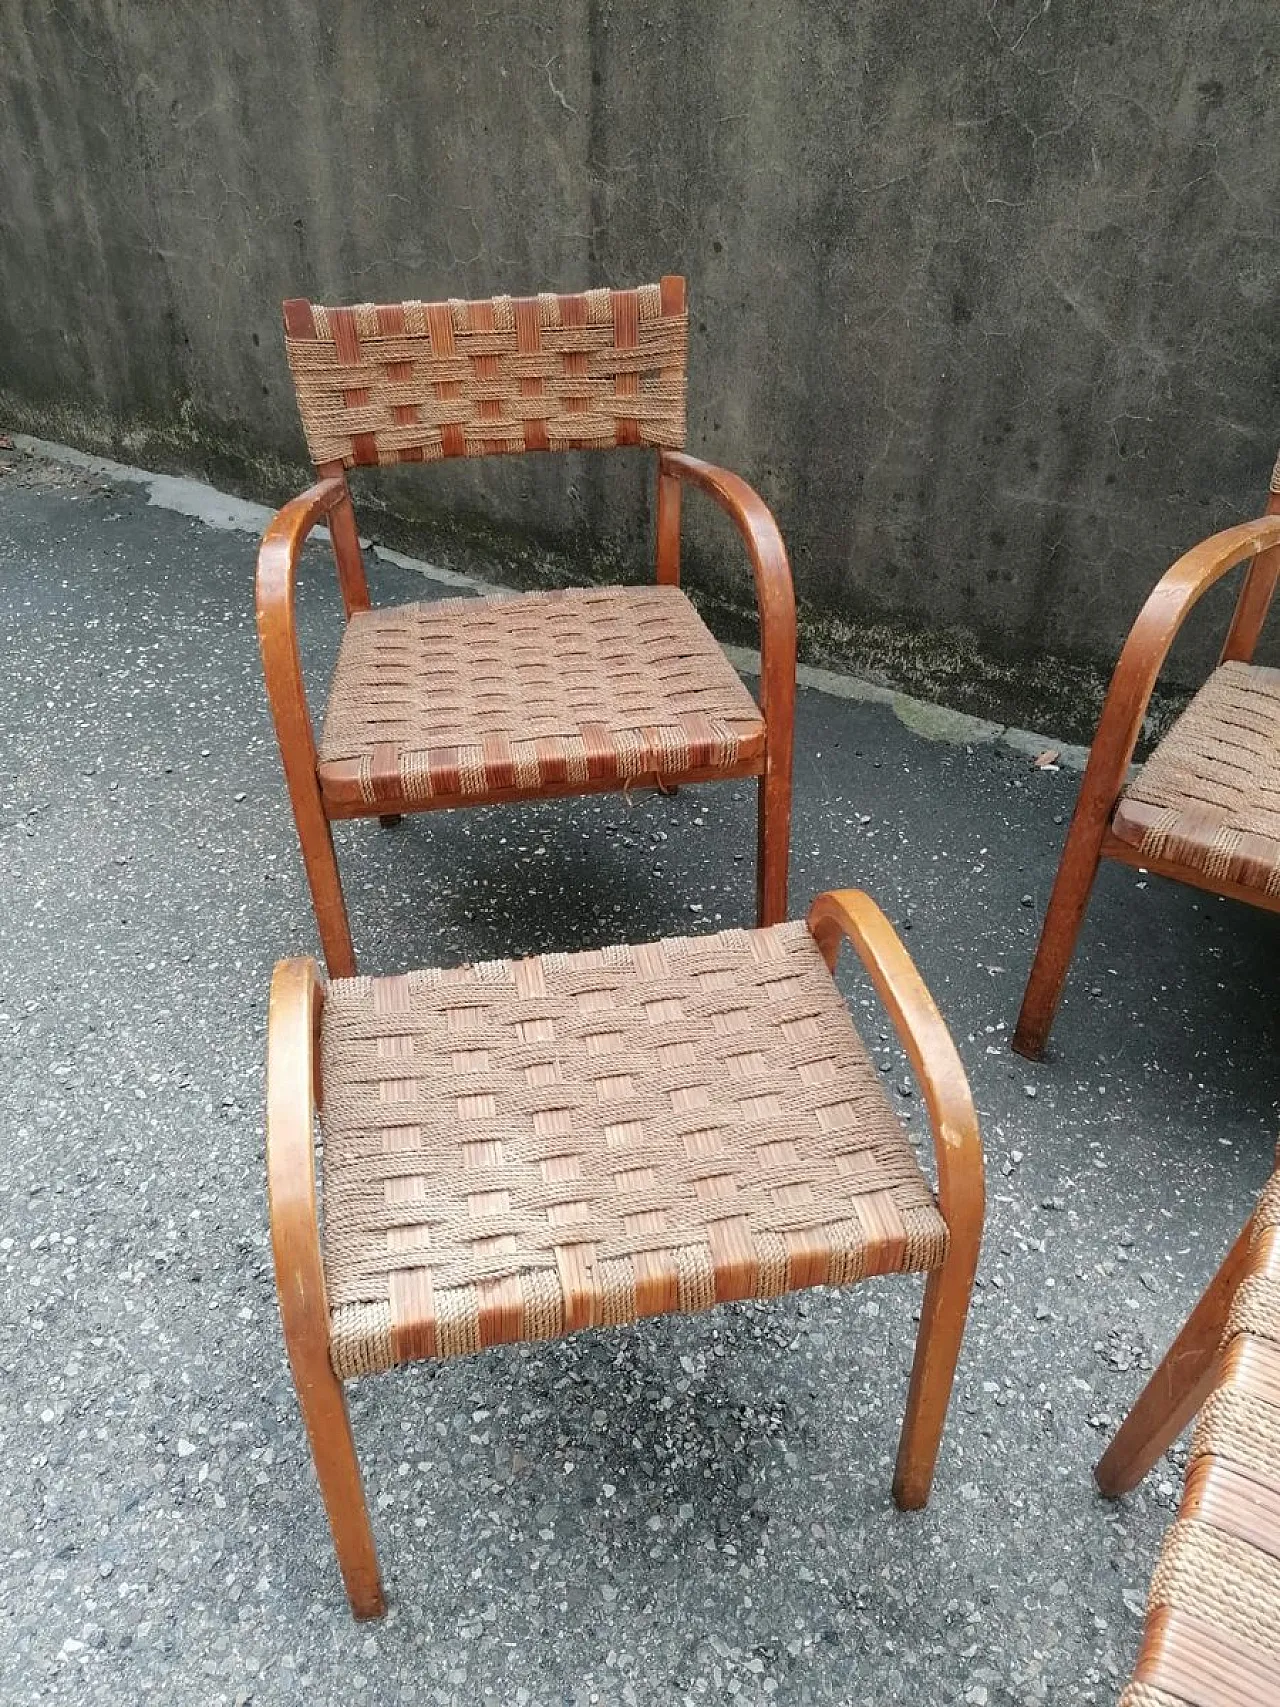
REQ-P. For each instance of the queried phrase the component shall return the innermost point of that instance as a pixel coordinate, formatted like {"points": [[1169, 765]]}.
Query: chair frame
{"points": [[1090, 838], [1205, 1355], [329, 501], [295, 1092]]}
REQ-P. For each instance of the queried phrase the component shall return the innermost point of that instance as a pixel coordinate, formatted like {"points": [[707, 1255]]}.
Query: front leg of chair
{"points": [[1179, 1386], [1068, 903], [933, 1370], [958, 1150], [293, 1024], [315, 834]]}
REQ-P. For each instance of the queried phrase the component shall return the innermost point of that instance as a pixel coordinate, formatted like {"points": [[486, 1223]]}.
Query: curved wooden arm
{"points": [[1145, 651], [956, 1140], [293, 1066], [277, 635], [775, 595]]}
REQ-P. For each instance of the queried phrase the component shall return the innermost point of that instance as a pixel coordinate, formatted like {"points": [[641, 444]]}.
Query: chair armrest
{"points": [[775, 595], [293, 1065], [934, 1059], [1138, 668], [277, 634]]}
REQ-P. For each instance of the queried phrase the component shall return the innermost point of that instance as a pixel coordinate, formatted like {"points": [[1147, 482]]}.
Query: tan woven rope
{"points": [[1275, 476], [1209, 796], [469, 697], [414, 381], [1213, 1630], [516, 1150]]}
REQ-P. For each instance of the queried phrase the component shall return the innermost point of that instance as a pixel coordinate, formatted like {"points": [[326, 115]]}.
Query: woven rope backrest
{"points": [[418, 381]]}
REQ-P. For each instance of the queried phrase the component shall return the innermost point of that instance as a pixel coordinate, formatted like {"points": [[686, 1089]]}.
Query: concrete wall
{"points": [[983, 294]]}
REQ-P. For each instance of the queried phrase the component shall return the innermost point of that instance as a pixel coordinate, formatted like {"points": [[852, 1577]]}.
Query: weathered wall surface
{"points": [[984, 295]]}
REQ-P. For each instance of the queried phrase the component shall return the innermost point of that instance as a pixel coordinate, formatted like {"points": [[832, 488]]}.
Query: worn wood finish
{"points": [[387, 330], [1123, 712], [293, 1085], [1179, 1385], [282, 668], [958, 1150], [775, 600]]}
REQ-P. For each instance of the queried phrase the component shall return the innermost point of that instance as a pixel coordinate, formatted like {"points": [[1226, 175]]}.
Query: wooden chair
{"points": [[518, 1150], [1205, 808], [1212, 1636], [464, 702]]}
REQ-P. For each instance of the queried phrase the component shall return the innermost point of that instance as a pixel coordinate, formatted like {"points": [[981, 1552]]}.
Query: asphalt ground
{"points": [[696, 1510]]}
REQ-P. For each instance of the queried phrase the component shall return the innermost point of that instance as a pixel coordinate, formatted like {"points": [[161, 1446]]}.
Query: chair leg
{"points": [[316, 837], [1062, 921], [1179, 1386], [668, 790], [324, 1411], [389, 820], [773, 845], [942, 1322]]}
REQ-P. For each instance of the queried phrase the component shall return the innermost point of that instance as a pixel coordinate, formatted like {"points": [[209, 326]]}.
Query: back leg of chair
{"points": [[1179, 1386], [389, 820]]}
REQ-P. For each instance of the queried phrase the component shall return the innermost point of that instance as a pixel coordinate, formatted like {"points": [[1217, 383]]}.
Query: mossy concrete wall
{"points": [[984, 295]]}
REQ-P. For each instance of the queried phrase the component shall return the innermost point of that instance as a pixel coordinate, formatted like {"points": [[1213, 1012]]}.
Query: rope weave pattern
{"points": [[1213, 1623], [515, 1150], [415, 381], [1209, 796], [479, 697]]}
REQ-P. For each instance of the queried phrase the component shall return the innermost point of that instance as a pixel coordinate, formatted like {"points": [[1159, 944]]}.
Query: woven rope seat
{"points": [[516, 1150], [1213, 1622], [440, 702], [1209, 795]]}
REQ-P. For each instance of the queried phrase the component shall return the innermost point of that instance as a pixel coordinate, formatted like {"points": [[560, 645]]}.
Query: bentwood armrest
{"points": [[924, 1035], [277, 569], [775, 594], [293, 1028], [1137, 671], [293, 1091]]}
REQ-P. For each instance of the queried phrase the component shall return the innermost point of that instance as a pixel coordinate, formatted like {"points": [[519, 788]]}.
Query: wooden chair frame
{"points": [[294, 1093], [329, 501], [1090, 838], [1185, 1654], [1183, 1380]]}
